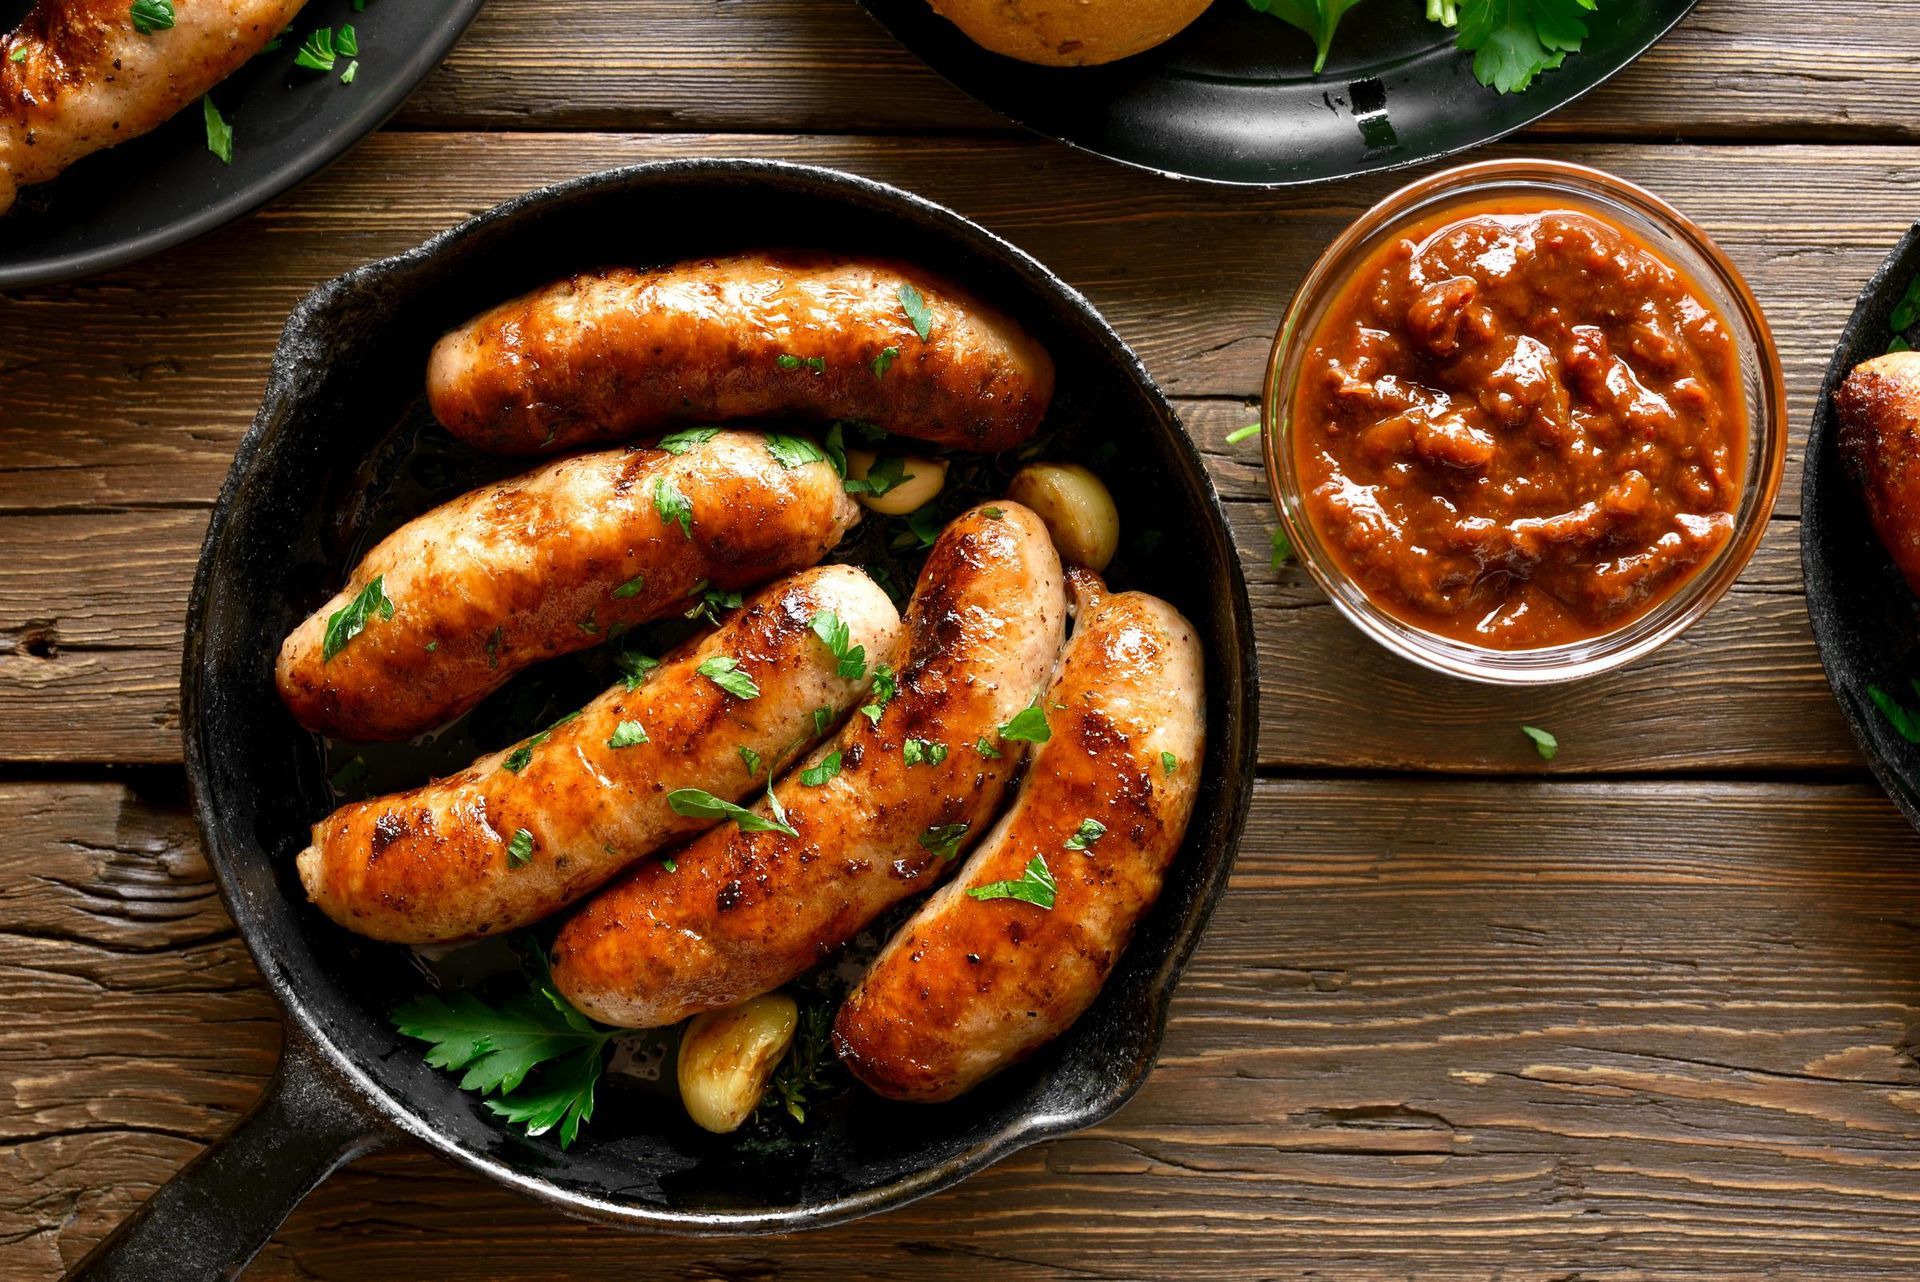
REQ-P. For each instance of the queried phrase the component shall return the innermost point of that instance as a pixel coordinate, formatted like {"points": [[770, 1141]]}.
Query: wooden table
{"points": [[1649, 1010]]}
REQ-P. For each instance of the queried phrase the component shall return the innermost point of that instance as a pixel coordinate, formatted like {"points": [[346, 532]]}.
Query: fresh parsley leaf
{"points": [[884, 688], [943, 841], [522, 757], [316, 52], [1512, 41], [350, 620], [670, 865], [835, 444], [884, 361], [1035, 886], [779, 812], [1543, 743], [347, 43], [18, 55], [1905, 722], [563, 1098], [672, 505], [793, 451], [1282, 547], [923, 527], [837, 637], [636, 666], [352, 72], [431, 646], [711, 601], [821, 719], [750, 759], [520, 849], [915, 306], [150, 16], [726, 673], [986, 749], [992, 513], [923, 752], [786, 360], [1169, 762], [682, 441], [884, 475], [627, 734], [632, 587], [817, 776], [1089, 831], [698, 804], [1246, 433], [219, 132], [1318, 18], [1906, 312], [1029, 725]]}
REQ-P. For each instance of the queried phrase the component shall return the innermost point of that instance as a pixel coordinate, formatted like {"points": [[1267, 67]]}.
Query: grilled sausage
{"points": [[746, 911], [546, 564], [76, 76], [438, 864], [968, 985], [619, 351], [1879, 406]]}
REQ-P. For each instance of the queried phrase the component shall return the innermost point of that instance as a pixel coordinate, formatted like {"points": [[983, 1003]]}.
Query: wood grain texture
{"points": [[1578, 1027], [1734, 68], [129, 391]]}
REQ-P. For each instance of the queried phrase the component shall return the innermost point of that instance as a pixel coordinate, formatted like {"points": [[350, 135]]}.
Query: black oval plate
{"points": [[1866, 621], [1233, 98], [349, 368], [289, 123]]}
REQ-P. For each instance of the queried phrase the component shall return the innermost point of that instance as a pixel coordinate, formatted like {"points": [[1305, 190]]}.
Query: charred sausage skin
{"points": [[1879, 406], [546, 564], [619, 351], [431, 865], [969, 986], [77, 77], [745, 912]]}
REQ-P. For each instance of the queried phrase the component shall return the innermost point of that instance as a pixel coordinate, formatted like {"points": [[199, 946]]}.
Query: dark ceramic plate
{"points": [[1233, 98], [345, 386], [165, 187], [1866, 620]]}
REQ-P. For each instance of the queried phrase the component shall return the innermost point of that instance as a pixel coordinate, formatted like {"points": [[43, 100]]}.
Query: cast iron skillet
{"points": [[1233, 98], [349, 366], [165, 187], [1866, 621]]}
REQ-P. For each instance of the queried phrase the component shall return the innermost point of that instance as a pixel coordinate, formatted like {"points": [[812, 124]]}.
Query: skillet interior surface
{"points": [[1866, 621], [346, 383]]}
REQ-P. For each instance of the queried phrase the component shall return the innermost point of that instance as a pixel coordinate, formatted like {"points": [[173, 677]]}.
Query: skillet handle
{"points": [[212, 1218]]}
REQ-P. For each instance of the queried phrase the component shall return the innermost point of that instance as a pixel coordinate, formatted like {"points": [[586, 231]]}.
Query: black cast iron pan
{"points": [[1866, 621], [349, 367]]}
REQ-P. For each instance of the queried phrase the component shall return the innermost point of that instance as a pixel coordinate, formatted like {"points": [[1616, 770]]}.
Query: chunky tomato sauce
{"points": [[1518, 426]]}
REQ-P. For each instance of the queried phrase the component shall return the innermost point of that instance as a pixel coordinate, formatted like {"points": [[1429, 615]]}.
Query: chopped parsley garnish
{"points": [[432, 646], [1282, 547], [672, 505], [992, 513], [695, 803], [493, 647], [682, 441], [1034, 886], [632, 587], [711, 601], [627, 734], [779, 813], [150, 16], [943, 840], [817, 776], [351, 775], [1238, 435], [352, 72], [1169, 762], [219, 132], [1089, 831], [923, 751], [1905, 722], [317, 51], [786, 360], [670, 865], [750, 759], [18, 55], [884, 688], [986, 749], [591, 624], [350, 620], [497, 1047], [838, 637], [923, 527], [884, 361], [793, 451], [822, 718], [520, 849], [726, 673], [915, 306], [1543, 743], [1029, 725], [636, 667], [835, 444], [884, 475]]}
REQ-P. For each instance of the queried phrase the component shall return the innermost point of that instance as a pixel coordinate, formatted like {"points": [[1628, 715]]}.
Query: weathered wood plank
{"points": [[1438, 1029], [134, 388], [1735, 68]]}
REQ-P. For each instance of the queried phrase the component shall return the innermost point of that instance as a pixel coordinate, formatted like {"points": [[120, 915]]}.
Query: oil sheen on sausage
{"points": [[438, 864], [969, 986], [744, 912], [546, 564], [615, 352]]}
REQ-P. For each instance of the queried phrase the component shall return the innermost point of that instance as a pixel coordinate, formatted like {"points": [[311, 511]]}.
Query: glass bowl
{"points": [[1685, 246]]}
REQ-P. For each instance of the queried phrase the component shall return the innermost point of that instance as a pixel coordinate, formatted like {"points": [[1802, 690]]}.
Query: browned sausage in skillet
{"points": [[545, 564], [744, 912], [979, 977], [524, 832], [616, 352]]}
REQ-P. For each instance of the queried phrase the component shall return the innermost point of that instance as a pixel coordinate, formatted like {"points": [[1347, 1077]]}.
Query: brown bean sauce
{"points": [[1518, 426]]}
